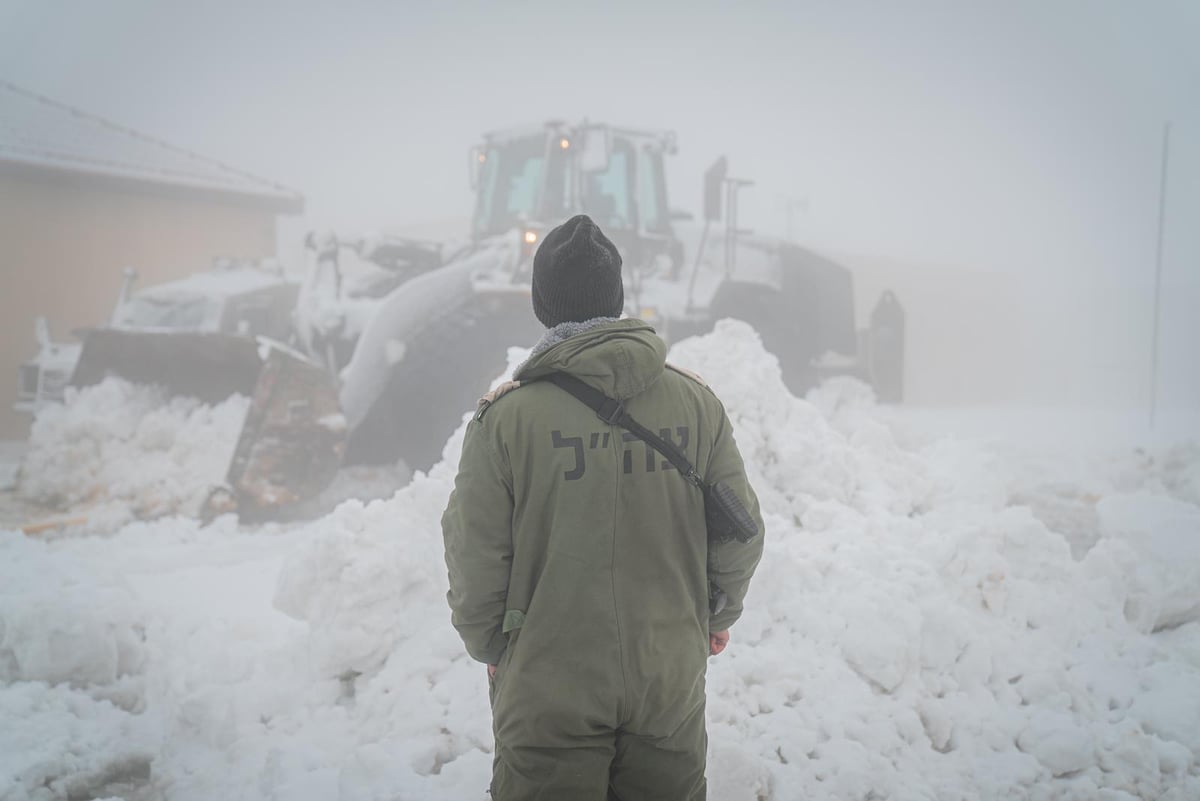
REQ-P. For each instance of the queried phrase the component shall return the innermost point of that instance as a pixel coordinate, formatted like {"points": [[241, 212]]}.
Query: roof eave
{"points": [[280, 202]]}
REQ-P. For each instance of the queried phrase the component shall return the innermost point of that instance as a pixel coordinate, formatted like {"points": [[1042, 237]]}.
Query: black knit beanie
{"points": [[576, 274]]}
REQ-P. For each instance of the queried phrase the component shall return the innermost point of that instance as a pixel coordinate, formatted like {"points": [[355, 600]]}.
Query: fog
{"points": [[998, 165], [223, 559]]}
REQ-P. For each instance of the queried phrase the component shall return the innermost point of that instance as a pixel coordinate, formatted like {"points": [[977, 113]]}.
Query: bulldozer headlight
{"points": [[529, 238]]}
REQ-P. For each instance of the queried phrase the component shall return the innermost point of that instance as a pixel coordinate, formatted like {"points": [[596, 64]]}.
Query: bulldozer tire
{"points": [[783, 331], [887, 348]]}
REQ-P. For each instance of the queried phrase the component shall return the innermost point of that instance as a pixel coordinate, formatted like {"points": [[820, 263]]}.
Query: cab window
{"points": [[509, 183], [652, 191], [607, 195]]}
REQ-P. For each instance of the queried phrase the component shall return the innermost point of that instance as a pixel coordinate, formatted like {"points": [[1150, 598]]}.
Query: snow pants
{"points": [[608, 766], [557, 749]]}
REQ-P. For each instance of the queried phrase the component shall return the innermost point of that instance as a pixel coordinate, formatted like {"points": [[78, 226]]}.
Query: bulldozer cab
{"points": [[534, 179]]}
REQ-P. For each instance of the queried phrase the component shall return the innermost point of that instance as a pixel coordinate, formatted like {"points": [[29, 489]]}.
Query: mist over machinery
{"points": [[387, 341]]}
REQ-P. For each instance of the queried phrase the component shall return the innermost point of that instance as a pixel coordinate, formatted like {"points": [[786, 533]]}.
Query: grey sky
{"points": [[998, 136]]}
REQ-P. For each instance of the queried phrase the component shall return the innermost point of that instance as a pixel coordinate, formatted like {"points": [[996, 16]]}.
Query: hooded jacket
{"points": [[577, 555]]}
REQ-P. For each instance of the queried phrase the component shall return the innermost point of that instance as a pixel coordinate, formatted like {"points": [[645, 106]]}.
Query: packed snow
{"points": [[920, 627], [125, 450], [226, 278]]}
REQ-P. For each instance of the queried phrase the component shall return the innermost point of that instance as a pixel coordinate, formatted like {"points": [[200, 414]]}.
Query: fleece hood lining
{"points": [[561, 333], [633, 355]]}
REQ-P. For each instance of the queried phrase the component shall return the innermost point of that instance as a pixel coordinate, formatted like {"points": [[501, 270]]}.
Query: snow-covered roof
{"points": [[218, 283], [37, 132]]}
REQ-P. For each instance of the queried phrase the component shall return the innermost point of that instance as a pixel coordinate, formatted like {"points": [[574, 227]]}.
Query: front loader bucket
{"points": [[430, 349], [292, 441], [444, 352]]}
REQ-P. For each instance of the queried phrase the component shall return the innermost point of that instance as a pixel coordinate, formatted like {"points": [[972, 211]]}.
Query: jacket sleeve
{"points": [[731, 565], [477, 530]]}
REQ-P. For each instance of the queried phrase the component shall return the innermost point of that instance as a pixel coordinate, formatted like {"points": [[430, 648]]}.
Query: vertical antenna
{"points": [[1162, 209]]}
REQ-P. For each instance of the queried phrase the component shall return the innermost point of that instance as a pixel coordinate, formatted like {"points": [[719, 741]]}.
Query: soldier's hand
{"points": [[491, 671], [717, 640]]}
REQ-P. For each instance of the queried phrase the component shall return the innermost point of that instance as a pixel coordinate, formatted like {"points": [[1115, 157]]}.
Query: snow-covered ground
{"points": [[946, 610]]}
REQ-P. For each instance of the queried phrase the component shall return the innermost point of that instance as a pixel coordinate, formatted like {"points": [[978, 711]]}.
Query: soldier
{"points": [[580, 570]]}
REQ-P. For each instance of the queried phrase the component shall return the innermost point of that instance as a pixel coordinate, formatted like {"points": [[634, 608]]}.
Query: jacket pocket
{"points": [[513, 620]]}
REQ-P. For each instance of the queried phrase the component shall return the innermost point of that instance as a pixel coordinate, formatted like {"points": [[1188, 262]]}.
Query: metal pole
{"points": [[730, 225], [733, 228], [1162, 210]]}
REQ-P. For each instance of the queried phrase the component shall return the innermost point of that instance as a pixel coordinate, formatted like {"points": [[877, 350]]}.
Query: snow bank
{"points": [[917, 632], [1179, 470], [57, 745], [123, 650], [71, 648], [130, 445], [1157, 542], [62, 620], [913, 632]]}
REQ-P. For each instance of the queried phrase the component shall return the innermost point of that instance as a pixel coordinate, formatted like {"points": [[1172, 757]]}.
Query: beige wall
{"points": [[63, 246]]}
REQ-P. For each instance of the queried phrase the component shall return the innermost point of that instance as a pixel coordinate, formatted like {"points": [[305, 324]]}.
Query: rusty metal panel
{"points": [[293, 439]]}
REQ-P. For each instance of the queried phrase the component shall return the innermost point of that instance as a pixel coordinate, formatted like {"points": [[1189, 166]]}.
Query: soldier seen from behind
{"points": [[582, 571]]}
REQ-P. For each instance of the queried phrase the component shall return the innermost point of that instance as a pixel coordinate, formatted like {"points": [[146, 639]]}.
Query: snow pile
{"points": [[57, 745], [906, 630], [67, 622], [912, 633], [916, 631], [139, 648], [1179, 470], [77, 625], [1156, 541], [801, 465], [130, 445], [370, 581]]}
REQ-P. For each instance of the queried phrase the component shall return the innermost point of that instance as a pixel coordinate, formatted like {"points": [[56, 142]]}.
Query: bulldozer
{"points": [[434, 342], [383, 365], [213, 334]]}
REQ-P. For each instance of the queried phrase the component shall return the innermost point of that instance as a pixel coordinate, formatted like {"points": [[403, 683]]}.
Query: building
{"points": [[82, 198]]}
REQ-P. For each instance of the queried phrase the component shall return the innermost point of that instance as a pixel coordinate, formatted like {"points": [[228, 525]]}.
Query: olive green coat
{"points": [[577, 554]]}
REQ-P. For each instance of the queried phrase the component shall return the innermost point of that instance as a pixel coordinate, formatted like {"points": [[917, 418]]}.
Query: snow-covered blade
{"points": [[208, 366], [293, 439]]}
